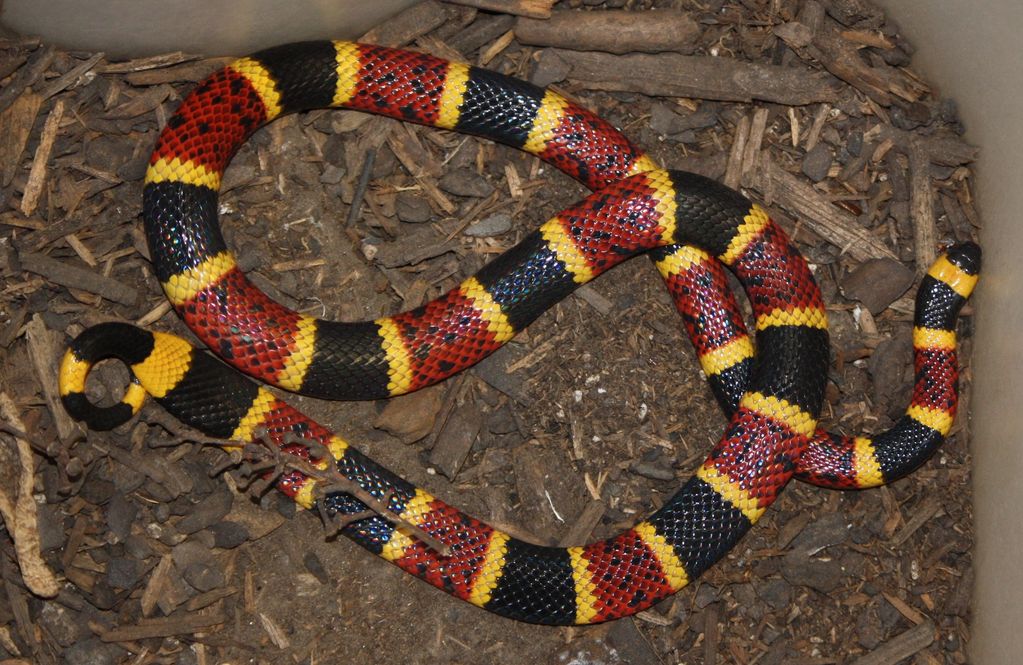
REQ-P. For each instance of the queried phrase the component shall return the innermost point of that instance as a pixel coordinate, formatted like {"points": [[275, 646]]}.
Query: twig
{"points": [[263, 457], [360, 188]]}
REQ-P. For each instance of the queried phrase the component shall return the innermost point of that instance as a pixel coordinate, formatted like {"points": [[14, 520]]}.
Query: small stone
{"points": [[492, 225], [776, 593], [411, 417], [93, 651], [120, 515], [203, 576], [465, 182], [817, 162], [412, 208], [550, 68], [656, 470], [96, 490], [877, 283], [189, 552], [829, 530], [228, 535], [315, 567], [137, 547], [332, 174], [123, 573], [705, 595], [207, 512], [59, 624], [502, 421]]}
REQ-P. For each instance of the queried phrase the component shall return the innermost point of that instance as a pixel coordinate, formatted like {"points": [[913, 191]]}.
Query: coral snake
{"points": [[773, 397]]}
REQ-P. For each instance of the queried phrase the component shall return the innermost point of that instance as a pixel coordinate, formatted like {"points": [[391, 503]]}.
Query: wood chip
{"points": [[37, 174], [16, 123], [83, 279], [455, 439], [43, 345], [164, 627], [18, 506], [530, 8], [900, 647], [613, 31], [815, 211], [702, 77]]}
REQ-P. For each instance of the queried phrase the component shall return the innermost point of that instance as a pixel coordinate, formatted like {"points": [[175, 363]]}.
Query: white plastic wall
{"points": [[973, 51], [208, 27]]}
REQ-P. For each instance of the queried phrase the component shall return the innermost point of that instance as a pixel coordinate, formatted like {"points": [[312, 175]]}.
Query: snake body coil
{"points": [[637, 207]]}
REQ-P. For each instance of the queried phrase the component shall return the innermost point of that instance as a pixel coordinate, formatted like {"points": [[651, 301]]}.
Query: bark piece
{"points": [[455, 439], [612, 31], [702, 77]]}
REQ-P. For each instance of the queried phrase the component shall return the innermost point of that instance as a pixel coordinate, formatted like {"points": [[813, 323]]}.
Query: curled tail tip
{"points": [[966, 255]]}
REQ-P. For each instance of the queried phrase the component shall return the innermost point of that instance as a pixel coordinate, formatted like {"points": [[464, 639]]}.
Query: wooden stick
{"points": [[18, 507], [701, 77], [45, 360], [900, 647], [613, 31], [815, 211], [37, 174], [921, 207], [61, 273]]}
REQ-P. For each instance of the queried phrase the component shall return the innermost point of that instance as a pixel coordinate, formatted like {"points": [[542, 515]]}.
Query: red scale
{"points": [[212, 121], [929, 391], [626, 575], [244, 326], [409, 82], [760, 460], [691, 289], [456, 573], [589, 149], [447, 335]]}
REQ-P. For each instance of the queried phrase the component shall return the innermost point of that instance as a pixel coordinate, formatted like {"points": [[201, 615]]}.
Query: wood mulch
{"points": [[576, 429]]}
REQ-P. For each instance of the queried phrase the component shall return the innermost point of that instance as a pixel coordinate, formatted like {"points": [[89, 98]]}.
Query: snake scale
{"points": [[689, 225]]}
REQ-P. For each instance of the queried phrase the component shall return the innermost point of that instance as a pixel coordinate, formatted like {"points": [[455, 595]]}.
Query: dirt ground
{"points": [[587, 422]]}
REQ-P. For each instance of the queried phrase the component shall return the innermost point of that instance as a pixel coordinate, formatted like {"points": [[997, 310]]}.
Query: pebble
{"points": [[332, 174], [817, 162], [96, 490], [654, 470], [412, 208], [189, 552], [776, 593], [123, 572], [58, 624], [227, 535], [203, 576], [877, 283], [411, 417], [315, 567], [120, 515], [207, 512], [93, 651], [492, 225], [465, 182], [551, 68], [502, 421]]}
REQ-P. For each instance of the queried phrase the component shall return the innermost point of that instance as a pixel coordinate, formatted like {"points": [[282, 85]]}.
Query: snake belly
{"points": [[398, 354]]}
